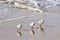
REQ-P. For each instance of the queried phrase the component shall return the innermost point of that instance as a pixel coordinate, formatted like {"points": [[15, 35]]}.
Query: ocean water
{"points": [[51, 26]]}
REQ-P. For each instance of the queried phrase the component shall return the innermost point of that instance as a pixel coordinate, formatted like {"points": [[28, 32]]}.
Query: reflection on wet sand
{"points": [[24, 26]]}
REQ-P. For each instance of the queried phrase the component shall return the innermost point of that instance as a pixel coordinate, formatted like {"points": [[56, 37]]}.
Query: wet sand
{"points": [[51, 25]]}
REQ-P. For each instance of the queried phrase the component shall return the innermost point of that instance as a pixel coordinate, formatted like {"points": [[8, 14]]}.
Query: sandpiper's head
{"points": [[19, 26], [32, 24]]}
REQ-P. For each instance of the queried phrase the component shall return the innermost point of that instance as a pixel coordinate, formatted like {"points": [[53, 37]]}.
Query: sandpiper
{"points": [[19, 26], [32, 28], [41, 29]]}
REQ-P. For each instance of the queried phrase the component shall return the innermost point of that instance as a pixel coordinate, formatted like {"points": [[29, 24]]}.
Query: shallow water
{"points": [[8, 29]]}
